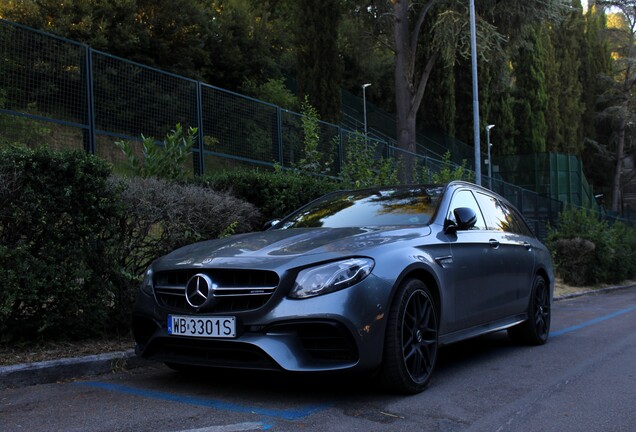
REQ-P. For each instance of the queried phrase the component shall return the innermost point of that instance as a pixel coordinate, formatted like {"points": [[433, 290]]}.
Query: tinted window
{"points": [[517, 223], [465, 198], [499, 216], [496, 217], [403, 206]]}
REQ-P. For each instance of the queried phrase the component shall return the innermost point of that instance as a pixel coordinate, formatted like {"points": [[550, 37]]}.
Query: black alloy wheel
{"points": [[536, 329], [410, 351]]}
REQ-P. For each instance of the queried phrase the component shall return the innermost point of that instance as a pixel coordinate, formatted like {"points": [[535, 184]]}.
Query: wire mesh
{"points": [[131, 99], [45, 88], [42, 75], [238, 126]]}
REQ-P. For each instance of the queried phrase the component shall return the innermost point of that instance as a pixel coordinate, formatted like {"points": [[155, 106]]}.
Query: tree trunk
{"points": [[620, 150], [408, 91]]}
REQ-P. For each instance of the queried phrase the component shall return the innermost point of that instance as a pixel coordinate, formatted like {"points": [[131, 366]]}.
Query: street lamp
{"points": [[364, 103], [476, 127], [489, 160]]}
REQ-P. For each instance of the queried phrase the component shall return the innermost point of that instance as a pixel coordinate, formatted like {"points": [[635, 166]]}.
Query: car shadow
{"points": [[318, 386]]}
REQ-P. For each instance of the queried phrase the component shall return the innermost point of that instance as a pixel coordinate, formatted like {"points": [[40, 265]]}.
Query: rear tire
{"points": [[411, 341], [536, 329]]}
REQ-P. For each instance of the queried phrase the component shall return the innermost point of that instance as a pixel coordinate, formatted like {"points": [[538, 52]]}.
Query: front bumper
{"points": [[337, 331]]}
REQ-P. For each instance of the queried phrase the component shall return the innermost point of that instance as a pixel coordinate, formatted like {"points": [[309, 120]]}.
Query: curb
{"points": [[27, 374], [46, 372], [594, 292]]}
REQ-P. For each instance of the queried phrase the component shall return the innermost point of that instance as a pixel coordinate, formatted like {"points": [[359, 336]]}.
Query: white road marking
{"points": [[230, 428]]}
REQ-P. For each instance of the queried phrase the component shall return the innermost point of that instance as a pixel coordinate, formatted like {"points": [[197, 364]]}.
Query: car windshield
{"points": [[364, 208]]}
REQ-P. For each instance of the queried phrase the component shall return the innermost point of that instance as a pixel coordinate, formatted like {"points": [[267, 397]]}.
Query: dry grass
{"points": [[10, 355]]}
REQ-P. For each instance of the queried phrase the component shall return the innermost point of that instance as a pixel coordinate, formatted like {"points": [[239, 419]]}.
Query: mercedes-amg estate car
{"points": [[362, 280]]}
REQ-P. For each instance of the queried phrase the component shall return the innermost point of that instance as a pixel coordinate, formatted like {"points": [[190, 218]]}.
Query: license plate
{"points": [[205, 327]]}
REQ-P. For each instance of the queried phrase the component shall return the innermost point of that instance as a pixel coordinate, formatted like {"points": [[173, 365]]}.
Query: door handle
{"points": [[493, 243], [527, 245]]}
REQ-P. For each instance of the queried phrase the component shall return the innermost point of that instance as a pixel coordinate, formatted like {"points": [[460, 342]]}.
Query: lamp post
{"points": [[473, 45], [364, 103], [489, 160]]}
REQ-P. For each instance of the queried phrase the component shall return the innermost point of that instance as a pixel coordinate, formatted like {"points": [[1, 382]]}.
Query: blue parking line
{"points": [[591, 322], [285, 414]]}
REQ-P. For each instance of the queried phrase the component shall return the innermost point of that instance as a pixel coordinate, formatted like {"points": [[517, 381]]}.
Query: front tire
{"points": [[536, 329], [411, 341]]}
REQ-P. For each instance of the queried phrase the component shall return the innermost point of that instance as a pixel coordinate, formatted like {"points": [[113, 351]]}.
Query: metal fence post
{"points": [[279, 126], [199, 165], [90, 145], [340, 151]]}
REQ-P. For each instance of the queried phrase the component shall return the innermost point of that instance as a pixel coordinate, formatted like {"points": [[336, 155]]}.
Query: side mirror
{"points": [[465, 219], [270, 224]]}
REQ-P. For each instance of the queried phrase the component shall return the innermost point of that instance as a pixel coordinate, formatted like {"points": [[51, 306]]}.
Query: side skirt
{"points": [[482, 329]]}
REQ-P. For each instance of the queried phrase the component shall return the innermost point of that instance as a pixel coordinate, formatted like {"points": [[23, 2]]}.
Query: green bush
{"points": [[363, 169], [447, 172], [74, 241], [276, 194], [57, 231], [587, 250], [167, 160]]}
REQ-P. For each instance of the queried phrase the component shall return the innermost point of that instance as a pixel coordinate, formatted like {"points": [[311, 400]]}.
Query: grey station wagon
{"points": [[368, 280]]}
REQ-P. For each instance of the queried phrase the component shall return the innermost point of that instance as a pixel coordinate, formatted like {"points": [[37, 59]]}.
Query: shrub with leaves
{"points": [[58, 214], [313, 160], [277, 193], [362, 168], [447, 171], [166, 160], [588, 250], [273, 91]]}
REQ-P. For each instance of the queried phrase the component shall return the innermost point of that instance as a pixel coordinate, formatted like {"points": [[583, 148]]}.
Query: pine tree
{"points": [[596, 62], [553, 86], [568, 38], [319, 67], [531, 99]]}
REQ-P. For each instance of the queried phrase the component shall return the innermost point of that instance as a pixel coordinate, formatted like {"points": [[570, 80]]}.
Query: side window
{"points": [[496, 217], [464, 198], [501, 217], [519, 225]]}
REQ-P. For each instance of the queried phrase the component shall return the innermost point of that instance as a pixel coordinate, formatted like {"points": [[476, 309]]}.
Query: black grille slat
{"points": [[237, 290]]}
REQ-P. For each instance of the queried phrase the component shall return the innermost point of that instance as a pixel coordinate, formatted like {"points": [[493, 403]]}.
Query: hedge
{"points": [[277, 193], [74, 240]]}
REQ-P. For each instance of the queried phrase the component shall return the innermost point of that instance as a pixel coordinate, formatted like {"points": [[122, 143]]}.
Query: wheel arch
{"points": [[542, 272], [427, 276]]}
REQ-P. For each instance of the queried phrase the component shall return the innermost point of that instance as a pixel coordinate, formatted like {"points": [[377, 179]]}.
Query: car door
{"points": [[511, 261], [471, 287]]}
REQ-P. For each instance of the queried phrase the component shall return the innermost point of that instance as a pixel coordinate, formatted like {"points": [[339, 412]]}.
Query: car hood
{"points": [[282, 245]]}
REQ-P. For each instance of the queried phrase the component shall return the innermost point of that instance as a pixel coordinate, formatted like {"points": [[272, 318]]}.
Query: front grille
{"points": [[209, 353], [324, 341], [327, 342], [237, 290]]}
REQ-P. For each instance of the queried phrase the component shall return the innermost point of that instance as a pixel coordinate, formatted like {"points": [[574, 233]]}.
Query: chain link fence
{"points": [[65, 95]]}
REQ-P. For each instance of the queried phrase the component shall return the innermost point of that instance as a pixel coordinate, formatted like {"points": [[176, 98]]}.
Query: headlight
{"points": [[330, 277], [146, 285]]}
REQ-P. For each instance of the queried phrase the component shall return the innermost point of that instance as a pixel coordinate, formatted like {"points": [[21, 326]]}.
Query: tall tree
{"points": [[531, 96], [568, 38], [621, 96], [423, 32], [169, 34], [319, 68]]}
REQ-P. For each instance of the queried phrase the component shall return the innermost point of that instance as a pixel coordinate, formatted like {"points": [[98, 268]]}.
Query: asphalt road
{"points": [[583, 379]]}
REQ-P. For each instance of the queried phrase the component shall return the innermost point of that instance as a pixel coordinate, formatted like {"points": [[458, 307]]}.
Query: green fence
{"points": [[67, 95], [558, 176]]}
